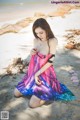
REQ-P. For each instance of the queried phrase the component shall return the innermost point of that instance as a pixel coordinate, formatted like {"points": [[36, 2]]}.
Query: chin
{"points": [[43, 39]]}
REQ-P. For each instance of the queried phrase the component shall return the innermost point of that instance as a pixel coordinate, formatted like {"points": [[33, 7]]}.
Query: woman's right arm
{"points": [[34, 49]]}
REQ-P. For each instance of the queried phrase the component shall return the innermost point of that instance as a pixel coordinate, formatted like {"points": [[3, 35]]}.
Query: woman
{"points": [[40, 80]]}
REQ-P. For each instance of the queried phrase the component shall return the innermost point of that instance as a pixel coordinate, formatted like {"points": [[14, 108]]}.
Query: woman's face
{"points": [[41, 33]]}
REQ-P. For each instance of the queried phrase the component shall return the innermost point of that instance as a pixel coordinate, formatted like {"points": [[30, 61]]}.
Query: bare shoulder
{"points": [[53, 41], [36, 40]]}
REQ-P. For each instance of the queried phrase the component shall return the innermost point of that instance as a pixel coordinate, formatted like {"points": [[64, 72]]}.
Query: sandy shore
{"points": [[15, 45]]}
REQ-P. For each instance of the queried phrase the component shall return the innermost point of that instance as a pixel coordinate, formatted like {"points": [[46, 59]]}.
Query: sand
{"points": [[15, 45]]}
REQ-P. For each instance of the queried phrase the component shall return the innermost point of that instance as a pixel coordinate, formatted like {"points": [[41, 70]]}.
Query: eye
{"points": [[41, 32]]}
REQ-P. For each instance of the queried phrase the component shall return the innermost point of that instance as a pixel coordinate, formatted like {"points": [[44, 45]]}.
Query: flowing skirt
{"points": [[50, 89]]}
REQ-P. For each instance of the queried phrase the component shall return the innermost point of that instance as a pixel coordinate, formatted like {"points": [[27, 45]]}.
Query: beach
{"points": [[23, 10], [17, 43]]}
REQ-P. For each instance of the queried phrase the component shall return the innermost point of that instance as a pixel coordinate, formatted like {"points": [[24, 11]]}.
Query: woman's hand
{"points": [[37, 80], [33, 51]]}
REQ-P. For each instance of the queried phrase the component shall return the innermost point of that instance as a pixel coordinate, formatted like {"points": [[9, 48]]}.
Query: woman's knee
{"points": [[34, 102], [17, 93], [33, 105]]}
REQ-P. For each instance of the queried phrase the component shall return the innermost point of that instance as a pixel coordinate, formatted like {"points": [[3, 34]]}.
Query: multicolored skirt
{"points": [[50, 89]]}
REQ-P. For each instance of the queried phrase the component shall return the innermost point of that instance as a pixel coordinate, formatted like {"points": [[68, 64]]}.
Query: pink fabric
{"points": [[48, 75], [50, 89]]}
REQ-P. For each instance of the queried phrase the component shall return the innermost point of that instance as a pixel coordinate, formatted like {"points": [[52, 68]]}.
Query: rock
{"points": [[71, 71], [77, 46], [74, 78], [61, 11], [17, 61], [73, 39], [70, 45], [17, 66], [15, 27]]}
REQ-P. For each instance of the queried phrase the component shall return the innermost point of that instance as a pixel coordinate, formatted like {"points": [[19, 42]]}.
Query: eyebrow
{"points": [[39, 32]]}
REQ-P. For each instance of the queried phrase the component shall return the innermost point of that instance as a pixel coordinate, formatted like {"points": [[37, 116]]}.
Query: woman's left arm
{"points": [[45, 67]]}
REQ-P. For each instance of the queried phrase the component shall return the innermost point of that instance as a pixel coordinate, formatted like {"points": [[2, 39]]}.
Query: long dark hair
{"points": [[41, 22]]}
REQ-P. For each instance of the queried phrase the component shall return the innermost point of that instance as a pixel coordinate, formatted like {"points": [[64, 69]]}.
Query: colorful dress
{"points": [[50, 88]]}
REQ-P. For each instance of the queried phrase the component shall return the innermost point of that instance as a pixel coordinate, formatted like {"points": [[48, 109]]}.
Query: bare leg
{"points": [[35, 102], [17, 93]]}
